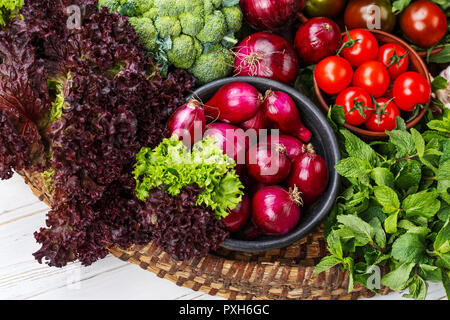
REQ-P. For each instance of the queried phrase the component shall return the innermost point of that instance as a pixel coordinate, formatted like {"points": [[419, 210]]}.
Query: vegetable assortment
{"points": [[100, 112]]}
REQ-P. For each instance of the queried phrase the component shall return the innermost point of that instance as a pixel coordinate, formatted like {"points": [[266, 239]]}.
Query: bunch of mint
{"points": [[394, 210]]}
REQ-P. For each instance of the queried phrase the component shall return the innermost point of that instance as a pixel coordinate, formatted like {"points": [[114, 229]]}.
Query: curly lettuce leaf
{"points": [[173, 166]]}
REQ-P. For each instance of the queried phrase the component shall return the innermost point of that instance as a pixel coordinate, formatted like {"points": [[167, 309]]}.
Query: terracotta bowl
{"points": [[415, 64]]}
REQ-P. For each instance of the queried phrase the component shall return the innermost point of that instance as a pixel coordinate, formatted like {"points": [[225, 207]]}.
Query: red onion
{"points": [[188, 122], [294, 147], [268, 164], [251, 231], [317, 39], [276, 211], [271, 14], [310, 175], [266, 55], [239, 216], [256, 123], [230, 139], [281, 113], [235, 102]]}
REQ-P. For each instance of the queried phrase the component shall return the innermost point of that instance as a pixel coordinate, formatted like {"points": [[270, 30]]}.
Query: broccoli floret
{"points": [[169, 7], [208, 7], [213, 65], [234, 18], [191, 24], [217, 3], [198, 48], [142, 6], [146, 32], [194, 6], [168, 27], [128, 9], [183, 52], [113, 5], [151, 14], [215, 28]]}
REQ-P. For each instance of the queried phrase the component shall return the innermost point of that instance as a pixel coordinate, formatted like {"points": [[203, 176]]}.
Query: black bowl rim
{"points": [[334, 183]]}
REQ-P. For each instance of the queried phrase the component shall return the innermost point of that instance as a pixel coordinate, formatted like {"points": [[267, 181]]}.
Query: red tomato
{"points": [[357, 105], [364, 48], [372, 76], [333, 74], [383, 117], [395, 58], [424, 23], [410, 89]]}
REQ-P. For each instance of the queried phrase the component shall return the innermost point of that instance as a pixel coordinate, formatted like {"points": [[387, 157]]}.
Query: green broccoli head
{"points": [[142, 6], [128, 9], [168, 27], [195, 7], [183, 52], [170, 7], [234, 18], [113, 5], [215, 28], [191, 24], [146, 32], [151, 14], [214, 65]]}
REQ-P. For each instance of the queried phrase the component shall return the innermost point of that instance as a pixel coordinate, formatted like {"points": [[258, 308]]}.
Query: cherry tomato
{"points": [[357, 105], [384, 115], [364, 13], [364, 47], [424, 23], [410, 89], [372, 76], [395, 58], [324, 8], [333, 74]]}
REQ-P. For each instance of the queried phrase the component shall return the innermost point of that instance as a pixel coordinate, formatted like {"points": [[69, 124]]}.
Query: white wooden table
{"points": [[22, 277]]}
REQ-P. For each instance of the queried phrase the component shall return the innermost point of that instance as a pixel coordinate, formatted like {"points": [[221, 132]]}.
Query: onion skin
{"points": [[317, 39], [310, 175], [267, 164], [234, 103], [271, 15], [239, 216], [294, 147], [266, 55], [281, 113], [188, 122], [234, 148], [258, 122], [275, 210]]}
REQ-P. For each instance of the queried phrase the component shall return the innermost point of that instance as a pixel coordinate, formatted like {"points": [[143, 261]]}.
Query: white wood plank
{"points": [[21, 277]]}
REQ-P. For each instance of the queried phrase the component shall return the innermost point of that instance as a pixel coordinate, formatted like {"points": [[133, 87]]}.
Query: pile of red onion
{"points": [[281, 171]]}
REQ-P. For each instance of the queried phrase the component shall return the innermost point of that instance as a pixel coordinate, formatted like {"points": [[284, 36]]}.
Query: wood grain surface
{"points": [[22, 277]]}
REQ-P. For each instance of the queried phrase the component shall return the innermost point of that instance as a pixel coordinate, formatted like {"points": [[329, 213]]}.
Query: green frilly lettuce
{"points": [[173, 166]]}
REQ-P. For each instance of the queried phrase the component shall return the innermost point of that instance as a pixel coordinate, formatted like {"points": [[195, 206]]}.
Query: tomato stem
{"points": [[347, 44]]}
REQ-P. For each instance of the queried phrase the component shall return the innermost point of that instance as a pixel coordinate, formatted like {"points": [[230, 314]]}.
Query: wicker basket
{"points": [[286, 273]]}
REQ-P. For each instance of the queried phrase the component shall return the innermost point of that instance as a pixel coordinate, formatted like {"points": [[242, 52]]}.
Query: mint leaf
{"points": [[354, 168], [408, 248], [409, 175], [362, 231], [446, 283], [390, 224], [417, 289], [403, 141], [423, 204], [397, 279], [335, 245], [429, 273], [358, 148], [399, 5], [442, 241], [418, 141], [443, 260], [387, 198], [326, 263], [442, 57], [443, 172], [380, 235], [383, 177]]}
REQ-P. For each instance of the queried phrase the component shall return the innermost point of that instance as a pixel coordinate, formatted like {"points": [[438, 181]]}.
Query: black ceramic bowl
{"points": [[325, 144]]}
